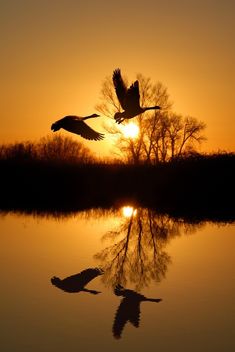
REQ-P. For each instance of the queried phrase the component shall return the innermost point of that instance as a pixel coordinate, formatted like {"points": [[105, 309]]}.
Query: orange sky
{"points": [[55, 55]]}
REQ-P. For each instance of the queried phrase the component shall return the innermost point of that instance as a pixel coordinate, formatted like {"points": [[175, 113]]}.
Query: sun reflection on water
{"points": [[128, 211]]}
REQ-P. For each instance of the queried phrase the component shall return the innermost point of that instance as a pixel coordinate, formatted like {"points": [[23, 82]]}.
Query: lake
{"points": [[133, 255]]}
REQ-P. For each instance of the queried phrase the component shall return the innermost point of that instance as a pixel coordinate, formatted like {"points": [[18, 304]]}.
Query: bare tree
{"points": [[163, 134], [61, 148], [21, 151], [137, 252], [57, 148], [172, 135], [191, 134]]}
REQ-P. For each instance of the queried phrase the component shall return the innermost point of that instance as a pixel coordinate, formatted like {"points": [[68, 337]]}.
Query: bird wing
{"points": [[80, 127], [84, 276], [88, 133], [133, 97], [134, 312], [128, 310], [120, 319], [120, 88]]}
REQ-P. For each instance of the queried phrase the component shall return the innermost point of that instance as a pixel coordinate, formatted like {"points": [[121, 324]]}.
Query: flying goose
{"points": [[129, 98], [129, 309], [77, 282], [76, 124]]}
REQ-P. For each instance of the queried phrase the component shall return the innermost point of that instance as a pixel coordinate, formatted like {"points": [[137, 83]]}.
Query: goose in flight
{"points": [[77, 282], [76, 124], [129, 98], [129, 309]]}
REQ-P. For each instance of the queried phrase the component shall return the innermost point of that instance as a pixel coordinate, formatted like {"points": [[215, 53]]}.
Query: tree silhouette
{"points": [[63, 148], [137, 251], [20, 151], [163, 134], [171, 135]]}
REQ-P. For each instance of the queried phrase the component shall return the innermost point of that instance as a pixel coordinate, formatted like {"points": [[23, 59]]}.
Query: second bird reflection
{"points": [[129, 309]]}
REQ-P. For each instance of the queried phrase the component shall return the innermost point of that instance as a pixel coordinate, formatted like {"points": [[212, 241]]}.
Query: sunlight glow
{"points": [[128, 211], [131, 130]]}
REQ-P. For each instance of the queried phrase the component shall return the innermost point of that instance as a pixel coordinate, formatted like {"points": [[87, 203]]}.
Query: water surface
{"points": [[190, 267]]}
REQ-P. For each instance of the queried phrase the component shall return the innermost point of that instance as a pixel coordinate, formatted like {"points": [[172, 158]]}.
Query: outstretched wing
{"points": [[128, 310], [134, 312], [120, 319], [133, 97], [87, 132], [120, 87], [84, 276], [80, 127]]}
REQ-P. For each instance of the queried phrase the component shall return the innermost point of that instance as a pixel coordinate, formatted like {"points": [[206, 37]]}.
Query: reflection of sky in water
{"points": [[196, 312]]}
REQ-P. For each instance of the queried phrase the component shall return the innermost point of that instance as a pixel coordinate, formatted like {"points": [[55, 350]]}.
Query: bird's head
{"points": [[56, 281], [94, 115]]}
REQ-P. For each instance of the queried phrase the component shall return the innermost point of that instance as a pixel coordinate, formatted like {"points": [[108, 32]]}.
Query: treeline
{"points": [[52, 149], [197, 186]]}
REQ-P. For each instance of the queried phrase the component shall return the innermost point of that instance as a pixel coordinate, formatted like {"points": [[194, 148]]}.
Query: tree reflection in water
{"points": [[137, 251]]}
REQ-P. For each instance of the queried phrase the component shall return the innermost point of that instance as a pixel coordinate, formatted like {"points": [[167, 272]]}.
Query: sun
{"points": [[131, 130]]}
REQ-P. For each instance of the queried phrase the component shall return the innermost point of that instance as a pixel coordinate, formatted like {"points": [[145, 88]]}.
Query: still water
{"points": [[187, 268]]}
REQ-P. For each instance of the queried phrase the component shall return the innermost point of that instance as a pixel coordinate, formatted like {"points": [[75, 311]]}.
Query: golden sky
{"points": [[55, 55]]}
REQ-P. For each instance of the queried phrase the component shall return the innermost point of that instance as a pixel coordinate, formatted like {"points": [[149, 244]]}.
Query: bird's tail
{"points": [[118, 290], [55, 280], [55, 127], [118, 117]]}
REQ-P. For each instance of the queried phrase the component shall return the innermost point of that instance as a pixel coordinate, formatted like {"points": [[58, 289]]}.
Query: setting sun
{"points": [[131, 130]]}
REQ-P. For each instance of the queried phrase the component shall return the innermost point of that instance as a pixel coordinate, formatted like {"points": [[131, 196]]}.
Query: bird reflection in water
{"points": [[129, 309], [76, 283]]}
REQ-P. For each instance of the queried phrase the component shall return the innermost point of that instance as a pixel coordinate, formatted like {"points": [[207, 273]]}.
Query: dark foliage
{"points": [[196, 187]]}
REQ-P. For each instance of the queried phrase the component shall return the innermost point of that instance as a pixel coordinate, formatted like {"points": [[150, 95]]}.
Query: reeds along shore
{"points": [[199, 186]]}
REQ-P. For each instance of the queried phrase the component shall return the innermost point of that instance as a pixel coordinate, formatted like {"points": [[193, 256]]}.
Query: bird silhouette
{"points": [[129, 98], [129, 309], [77, 282], [76, 124]]}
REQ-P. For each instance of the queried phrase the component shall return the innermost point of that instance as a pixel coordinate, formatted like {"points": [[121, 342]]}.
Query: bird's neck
{"points": [[152, 108], [90, 291], [152, 300], [88, 117]]}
